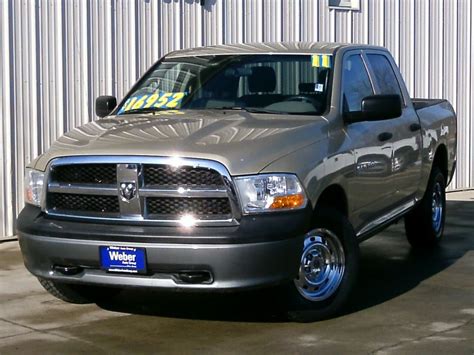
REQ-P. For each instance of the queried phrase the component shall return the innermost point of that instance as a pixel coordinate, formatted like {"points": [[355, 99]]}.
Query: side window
{"points": [[384, 75], [356, 83]]}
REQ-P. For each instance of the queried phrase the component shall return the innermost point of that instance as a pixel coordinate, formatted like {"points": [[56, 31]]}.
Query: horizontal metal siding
{"points": [[57, 56]]}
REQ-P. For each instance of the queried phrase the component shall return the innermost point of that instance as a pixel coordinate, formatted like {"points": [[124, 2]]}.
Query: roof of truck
{"points": [[267, 47]]}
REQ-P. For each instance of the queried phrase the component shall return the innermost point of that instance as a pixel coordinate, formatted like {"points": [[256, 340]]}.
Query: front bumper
{"points": [[261, 251]]}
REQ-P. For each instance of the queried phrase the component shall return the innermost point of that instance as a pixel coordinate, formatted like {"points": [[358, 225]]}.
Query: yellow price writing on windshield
{"points": [[159, 100]]}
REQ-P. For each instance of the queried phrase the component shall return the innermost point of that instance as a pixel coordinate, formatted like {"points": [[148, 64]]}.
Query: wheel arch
{"points": [[440, 160], [333, 196]]}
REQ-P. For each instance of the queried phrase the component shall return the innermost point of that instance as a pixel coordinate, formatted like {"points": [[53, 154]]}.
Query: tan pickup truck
{"points": [[240, 166]]}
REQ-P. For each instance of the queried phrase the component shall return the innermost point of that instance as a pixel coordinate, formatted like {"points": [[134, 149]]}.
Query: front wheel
{"points": [[328, 269]]}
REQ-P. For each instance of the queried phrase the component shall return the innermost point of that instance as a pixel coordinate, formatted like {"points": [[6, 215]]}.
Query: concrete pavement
{"points": [[404, 303]]}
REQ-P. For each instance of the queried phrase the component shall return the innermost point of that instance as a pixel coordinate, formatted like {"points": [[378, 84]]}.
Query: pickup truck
{"points": [[236, 167]]}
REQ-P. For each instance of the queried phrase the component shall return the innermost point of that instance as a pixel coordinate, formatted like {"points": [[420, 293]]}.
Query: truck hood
{"points": [[244, 142]]}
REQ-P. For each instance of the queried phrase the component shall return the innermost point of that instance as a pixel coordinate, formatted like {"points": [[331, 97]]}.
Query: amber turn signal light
{"points": [[289, 201]]}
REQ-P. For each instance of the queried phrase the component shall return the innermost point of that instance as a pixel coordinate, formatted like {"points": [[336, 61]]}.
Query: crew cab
{"points": [[240, 166]]}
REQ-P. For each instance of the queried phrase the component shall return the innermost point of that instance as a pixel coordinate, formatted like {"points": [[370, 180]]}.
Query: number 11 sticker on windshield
{"points": [[321, 60], [169, 100]]}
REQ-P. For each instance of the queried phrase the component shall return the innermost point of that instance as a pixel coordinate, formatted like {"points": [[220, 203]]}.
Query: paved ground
{"points": [[404, 303]]}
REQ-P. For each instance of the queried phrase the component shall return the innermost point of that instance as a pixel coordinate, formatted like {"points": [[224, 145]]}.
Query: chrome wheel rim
{"points": [[437, 207], [322, 265]]}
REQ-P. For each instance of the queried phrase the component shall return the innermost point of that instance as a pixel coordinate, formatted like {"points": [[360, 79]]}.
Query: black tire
{"points": [[300, 308], [78, 294], [423, 226]]}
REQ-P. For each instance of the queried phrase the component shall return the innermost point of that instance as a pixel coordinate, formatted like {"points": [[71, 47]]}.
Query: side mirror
{"points": [[376, 108], [104, 105]]}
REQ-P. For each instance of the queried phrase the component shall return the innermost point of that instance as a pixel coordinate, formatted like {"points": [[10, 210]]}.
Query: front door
{"points": [[371, 187]]}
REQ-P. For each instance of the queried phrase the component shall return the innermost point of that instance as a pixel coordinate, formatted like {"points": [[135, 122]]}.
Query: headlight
{"points": [[33, 186], [270, 192]]}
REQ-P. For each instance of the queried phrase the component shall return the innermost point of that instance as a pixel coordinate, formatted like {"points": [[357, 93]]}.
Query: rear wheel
{"points": [[328, 269], [424, 225], [79, 294]]}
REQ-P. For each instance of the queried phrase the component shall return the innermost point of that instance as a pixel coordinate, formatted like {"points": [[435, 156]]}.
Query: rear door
{"points": [[406, 129]]}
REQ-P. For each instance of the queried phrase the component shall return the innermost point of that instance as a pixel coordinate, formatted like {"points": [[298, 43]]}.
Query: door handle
{"points": [[415, 127], [385, 136]]}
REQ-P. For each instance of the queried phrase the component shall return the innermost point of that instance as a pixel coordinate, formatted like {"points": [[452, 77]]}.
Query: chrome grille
{"points": [[159, 190]]}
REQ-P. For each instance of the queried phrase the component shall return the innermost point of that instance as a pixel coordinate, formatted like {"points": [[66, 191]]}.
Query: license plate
{"points": [[123, 259]]}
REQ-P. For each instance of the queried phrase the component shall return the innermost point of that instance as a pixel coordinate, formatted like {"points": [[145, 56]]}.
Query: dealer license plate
{"points": [[123, 259]]}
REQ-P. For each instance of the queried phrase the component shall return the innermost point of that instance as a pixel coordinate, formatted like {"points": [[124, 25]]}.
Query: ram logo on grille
{"points": [[128, 190]]}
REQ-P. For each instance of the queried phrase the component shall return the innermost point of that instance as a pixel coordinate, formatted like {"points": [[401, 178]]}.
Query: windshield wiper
{"points": [[144, 110], [262, 110], [248, 109]]}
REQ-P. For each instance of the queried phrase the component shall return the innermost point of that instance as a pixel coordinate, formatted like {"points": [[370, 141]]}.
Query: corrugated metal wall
{"points": [[58, 55]]}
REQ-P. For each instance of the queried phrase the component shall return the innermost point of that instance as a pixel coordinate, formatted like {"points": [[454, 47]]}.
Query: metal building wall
{"points": [[56, 56]]}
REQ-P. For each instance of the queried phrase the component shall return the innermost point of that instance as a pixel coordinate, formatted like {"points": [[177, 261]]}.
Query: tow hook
{"points": [[195, 277], [67, 270]]}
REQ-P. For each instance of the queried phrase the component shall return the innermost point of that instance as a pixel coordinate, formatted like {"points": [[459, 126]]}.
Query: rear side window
{"points": [[356, 83], [384, 75]]}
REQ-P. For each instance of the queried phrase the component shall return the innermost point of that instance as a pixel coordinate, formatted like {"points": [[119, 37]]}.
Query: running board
{"points": [[380, 222]]}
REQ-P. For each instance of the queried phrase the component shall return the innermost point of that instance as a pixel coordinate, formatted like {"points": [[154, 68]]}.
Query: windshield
{"points": [[290, 84]]}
